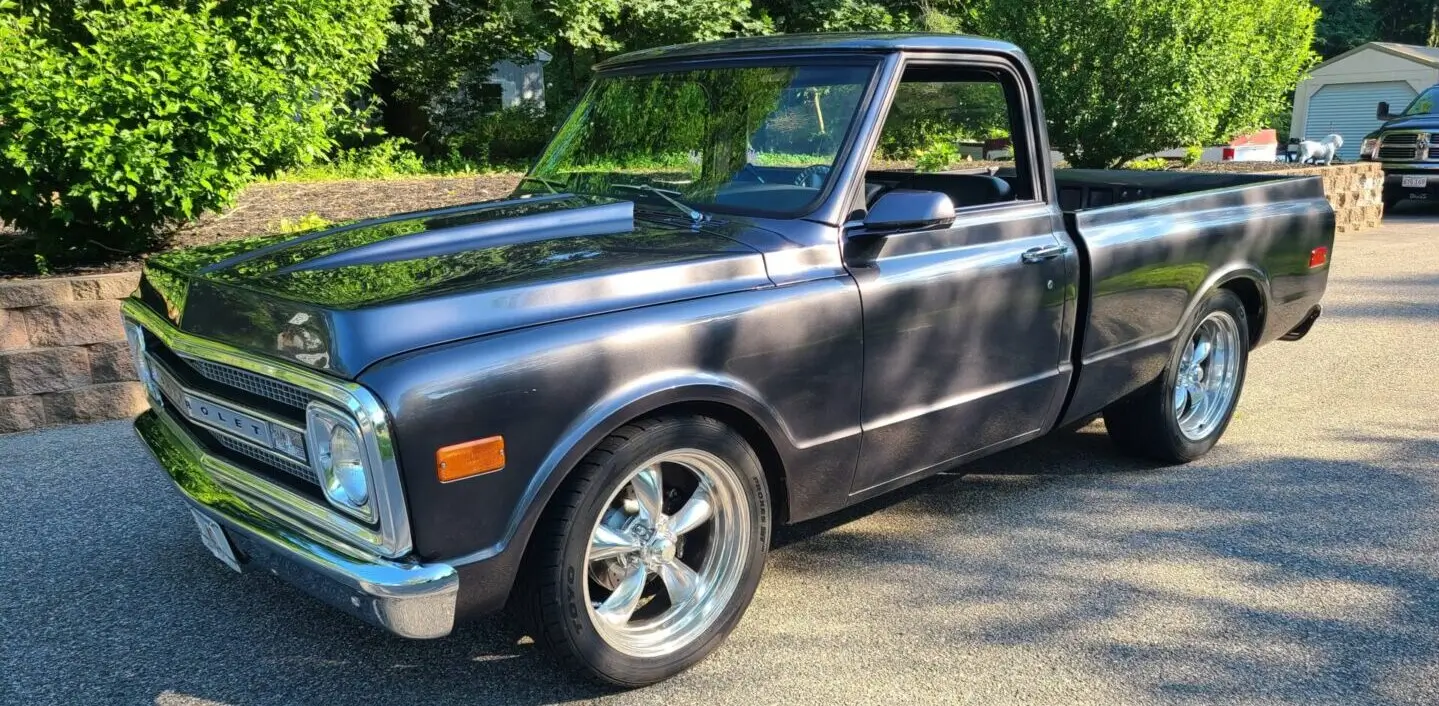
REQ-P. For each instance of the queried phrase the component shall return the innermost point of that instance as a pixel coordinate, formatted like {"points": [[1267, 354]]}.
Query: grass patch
{"points": [[307, 222], [392, 159]]}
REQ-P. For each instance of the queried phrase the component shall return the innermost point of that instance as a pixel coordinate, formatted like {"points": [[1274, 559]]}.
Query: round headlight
{"points": [[338, 455], [346, 479]]}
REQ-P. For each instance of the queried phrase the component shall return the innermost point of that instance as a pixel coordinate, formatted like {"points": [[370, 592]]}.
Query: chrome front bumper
{"points": [[408, 599]]}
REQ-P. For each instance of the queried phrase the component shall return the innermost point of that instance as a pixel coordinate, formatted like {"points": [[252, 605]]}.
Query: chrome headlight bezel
{"points": [[322, 423]]}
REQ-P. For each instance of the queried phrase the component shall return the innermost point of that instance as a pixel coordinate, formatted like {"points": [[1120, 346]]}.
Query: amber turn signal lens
{"points": [[471, 458]]}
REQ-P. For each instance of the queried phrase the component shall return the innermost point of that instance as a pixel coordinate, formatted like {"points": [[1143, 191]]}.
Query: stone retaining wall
{"points": [[1356, 191], [63, 357]]}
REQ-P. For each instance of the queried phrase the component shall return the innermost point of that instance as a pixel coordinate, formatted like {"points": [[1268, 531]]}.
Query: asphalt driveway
{"points": [[1297, 564]]}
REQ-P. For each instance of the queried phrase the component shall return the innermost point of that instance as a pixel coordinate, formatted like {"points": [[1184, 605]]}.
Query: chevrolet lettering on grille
{"points": [[222, 417]]}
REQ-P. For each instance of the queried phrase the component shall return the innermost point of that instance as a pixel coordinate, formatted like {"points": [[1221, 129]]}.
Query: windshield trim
{"points": [[873, 61]]}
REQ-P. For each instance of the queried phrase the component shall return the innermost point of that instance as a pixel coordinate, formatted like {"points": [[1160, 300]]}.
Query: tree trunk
{"points": [[1433, 38]]}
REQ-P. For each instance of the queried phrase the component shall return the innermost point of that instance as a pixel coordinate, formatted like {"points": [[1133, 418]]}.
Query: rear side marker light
{"points": [[472, 458], [1318, 256]]}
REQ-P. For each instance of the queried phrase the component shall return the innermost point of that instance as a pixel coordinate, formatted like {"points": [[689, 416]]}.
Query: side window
{"points": [[956, 132]]}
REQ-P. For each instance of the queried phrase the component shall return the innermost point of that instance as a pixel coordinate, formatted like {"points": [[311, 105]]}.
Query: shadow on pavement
{"points": [[1144, 573]]}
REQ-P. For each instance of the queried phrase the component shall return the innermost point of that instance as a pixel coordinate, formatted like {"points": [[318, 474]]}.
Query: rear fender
{"points": [[1224, 276], [1121, 371]]}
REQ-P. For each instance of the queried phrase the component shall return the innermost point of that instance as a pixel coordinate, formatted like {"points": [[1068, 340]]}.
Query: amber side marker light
{"points": [[471, 458], [1318, 256]]}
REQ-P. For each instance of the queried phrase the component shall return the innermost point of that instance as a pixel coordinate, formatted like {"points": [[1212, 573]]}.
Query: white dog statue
{"points": [[1320, 151]]}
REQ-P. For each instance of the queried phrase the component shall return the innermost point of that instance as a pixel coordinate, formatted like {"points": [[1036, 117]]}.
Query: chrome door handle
{"points": [[1043, 253]]}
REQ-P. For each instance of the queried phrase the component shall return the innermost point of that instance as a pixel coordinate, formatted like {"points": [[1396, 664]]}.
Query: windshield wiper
{"points": [[548, 184], [693, 214]]}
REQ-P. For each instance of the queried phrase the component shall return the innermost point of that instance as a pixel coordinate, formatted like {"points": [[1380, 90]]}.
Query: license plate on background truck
{"points": [[1414, 182]]}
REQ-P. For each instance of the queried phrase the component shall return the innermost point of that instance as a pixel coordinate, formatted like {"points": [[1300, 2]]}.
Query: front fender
{"points": [[633, 401], [787, 358]]}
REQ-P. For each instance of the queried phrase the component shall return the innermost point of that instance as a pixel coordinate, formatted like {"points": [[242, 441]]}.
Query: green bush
{"points": [[308, 222], [908, 139], [391, 158], [937, 157], [513, 136], [1192, 156], [123, 116], [1153, 164]]}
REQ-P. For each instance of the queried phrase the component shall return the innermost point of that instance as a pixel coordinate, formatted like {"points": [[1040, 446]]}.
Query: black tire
{"points": [[1144, 423], [550, 598]]}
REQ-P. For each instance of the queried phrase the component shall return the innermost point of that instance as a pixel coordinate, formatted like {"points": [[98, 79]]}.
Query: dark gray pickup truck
{"points": [[708, 309]]}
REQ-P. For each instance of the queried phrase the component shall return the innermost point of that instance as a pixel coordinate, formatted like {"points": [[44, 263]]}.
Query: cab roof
{"points": [[878, 42]]}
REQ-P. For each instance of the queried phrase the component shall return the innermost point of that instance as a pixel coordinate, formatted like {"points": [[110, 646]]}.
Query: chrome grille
{"points": [[1400, 146], [268, 457], [174, 393], [1393, 152], [250, 382]]}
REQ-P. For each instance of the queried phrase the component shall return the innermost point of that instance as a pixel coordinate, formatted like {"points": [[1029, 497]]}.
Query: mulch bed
{"points": [[262, 208]]}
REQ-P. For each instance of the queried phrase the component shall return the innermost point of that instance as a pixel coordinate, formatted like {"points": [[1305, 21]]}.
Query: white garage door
{"points": [[1347, 109]]}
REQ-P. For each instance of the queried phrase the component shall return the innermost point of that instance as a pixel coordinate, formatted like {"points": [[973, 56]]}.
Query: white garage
{"points": [[1339, 96]]}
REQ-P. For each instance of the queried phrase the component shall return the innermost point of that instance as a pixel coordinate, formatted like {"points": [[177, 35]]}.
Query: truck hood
{"points": [[344, 298], [1413, 122]]}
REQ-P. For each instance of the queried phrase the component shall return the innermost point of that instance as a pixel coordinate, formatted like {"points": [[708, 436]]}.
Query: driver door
{"points": [[965, 335]]}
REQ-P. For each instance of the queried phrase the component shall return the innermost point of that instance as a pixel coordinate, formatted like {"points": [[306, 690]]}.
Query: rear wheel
{"points": [[650, 555], [1181, 416]]}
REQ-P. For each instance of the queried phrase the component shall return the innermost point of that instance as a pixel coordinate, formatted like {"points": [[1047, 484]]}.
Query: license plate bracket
{"points": [[212, 535], [1414, 182]]}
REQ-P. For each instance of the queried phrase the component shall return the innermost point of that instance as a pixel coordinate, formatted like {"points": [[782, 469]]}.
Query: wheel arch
{"points": [[1247, 287], [725, 399]]}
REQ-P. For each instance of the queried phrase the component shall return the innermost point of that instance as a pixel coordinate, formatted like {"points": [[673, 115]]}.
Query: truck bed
{"points": [[1150, 241], [1083, 189]]}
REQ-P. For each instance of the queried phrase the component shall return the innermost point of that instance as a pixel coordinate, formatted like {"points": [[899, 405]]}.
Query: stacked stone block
{"points": [[1356, 191], [63, 357]]}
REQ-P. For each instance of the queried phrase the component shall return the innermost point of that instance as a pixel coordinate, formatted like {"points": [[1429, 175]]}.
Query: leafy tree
{"points": [[1122, 78], [1408, 21], [440, 52], [1344, 25], [866, 15], [120, 117]]}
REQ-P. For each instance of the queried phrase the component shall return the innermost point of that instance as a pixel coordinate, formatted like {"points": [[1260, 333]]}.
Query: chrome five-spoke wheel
{"points": [[648, 555], [1208, 376], [1181, 414], [667, 552]]}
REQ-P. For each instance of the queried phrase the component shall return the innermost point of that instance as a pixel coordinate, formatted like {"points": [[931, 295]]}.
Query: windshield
{"points": [[759, 140], [1426, 104]]}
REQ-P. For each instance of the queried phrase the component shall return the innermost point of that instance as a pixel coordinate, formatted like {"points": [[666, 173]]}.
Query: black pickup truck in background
{"points": [[1408, 146], [706, 310]]}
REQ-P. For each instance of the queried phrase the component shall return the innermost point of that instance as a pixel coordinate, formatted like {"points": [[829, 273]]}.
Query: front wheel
{"points": [[648, 557], [1181, 416]]}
